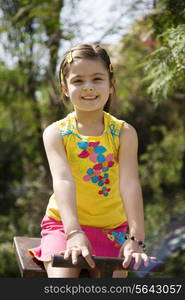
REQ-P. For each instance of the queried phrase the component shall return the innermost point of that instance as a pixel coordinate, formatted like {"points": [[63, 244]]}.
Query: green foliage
{"points": [[165, 69], [8, 264], [163, 160], [150, 69], [29, 101], [27, 94], [9, 267], [175, 264]]}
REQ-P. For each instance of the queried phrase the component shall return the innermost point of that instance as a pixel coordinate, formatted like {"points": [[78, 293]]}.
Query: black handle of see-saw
{"points": [[154, 264]]}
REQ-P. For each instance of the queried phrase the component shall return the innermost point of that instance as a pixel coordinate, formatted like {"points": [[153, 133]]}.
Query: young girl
{"points": [[93, 161]]}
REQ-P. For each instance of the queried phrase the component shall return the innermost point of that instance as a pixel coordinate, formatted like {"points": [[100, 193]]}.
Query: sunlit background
{"points": [[145, 40]]}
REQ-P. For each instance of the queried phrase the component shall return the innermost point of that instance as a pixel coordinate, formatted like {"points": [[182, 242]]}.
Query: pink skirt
{"points": [[53, 241]]}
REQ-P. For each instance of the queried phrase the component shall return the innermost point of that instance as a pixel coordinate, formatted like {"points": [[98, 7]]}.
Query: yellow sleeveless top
{"points": [[94, 164]]}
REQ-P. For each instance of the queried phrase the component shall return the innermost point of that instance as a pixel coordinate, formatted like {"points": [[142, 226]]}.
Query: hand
{"points": [[130, 250], [77, 245]]}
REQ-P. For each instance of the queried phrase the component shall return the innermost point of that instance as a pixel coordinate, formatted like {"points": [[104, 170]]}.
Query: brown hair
{"points": [[88, 51]]}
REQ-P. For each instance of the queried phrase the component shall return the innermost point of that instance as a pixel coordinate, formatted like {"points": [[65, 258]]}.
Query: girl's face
{"points": [[88, 85]]}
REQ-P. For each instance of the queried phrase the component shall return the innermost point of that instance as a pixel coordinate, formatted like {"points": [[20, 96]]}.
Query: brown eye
{"points": [[77, 81], [98, 78]]}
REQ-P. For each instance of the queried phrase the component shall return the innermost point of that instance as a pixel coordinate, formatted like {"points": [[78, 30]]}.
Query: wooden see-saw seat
{"points": [[29, 267]]}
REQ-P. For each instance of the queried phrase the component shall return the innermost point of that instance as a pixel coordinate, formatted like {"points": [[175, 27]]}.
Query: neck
{"points": [[89, 118]]}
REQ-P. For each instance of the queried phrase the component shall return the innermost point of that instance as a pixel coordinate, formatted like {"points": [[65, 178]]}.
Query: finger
{"points": [[88, 257], [120, 252], [145, 259], [138, 259], [153, 258], [74, 255], [86, 254], [127, 260], [67, 253]]}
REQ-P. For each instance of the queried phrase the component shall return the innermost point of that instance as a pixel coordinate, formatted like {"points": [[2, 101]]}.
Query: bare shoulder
{"points": [[51, 133], [50, 129], [128, 134]]}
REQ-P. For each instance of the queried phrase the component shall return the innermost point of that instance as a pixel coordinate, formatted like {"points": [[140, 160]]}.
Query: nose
{"points": [[88, 89]]}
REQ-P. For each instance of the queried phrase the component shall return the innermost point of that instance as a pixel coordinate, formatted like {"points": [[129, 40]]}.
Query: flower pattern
{"points": [[99, 172], [105, 191], [118, 238]]}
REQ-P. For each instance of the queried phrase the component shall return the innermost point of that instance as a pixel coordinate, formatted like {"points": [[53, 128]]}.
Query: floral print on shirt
{"points": [[99, 172], [118, 238]]}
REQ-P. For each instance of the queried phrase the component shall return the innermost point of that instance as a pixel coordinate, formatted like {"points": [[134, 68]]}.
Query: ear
{"points": [[112, 85], [64, 89]]}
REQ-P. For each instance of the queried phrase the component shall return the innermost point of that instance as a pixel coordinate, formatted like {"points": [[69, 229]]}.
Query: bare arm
{"points": [[131, 193], [63, 182], [129, 181], [65, 193]]}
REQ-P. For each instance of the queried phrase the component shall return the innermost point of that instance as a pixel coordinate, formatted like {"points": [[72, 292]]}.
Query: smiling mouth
{"points": [[90, 98]]}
